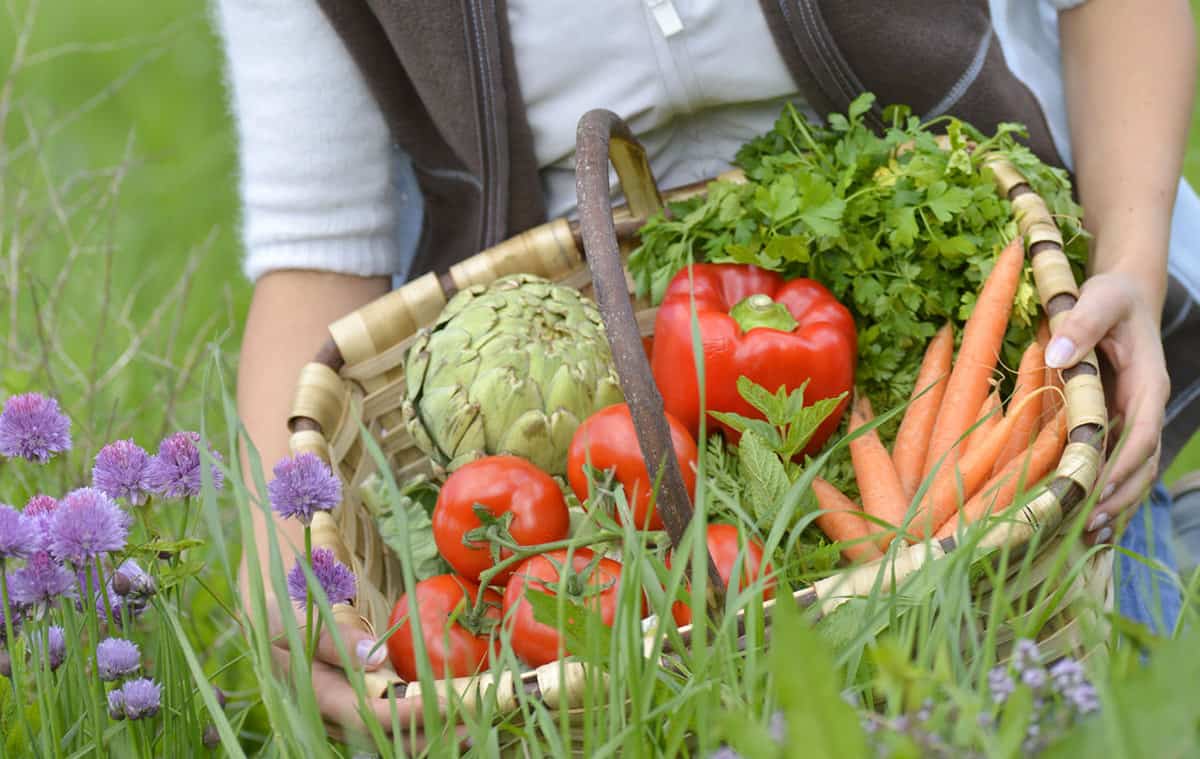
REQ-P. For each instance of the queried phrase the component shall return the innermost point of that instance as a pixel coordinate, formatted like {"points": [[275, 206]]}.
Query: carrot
{"points": [[997, 495], [912, 439], [970, 471], [843, 522], [882, 492], [1043, 331], [1031, 374], [982, 338], [988, 417]]}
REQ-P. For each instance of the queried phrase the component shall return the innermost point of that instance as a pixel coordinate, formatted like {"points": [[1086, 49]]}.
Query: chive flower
{"points": [[131, 581], [143, 697], [303, 485], [56, 647], [174, 472], [39, 510], [120, 471], [116, 704], [33, 427], [41, 581], [17, 535], [117, 658], [334, 577], [87, 523]]}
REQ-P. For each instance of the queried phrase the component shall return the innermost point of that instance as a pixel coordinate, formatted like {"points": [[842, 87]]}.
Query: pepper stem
{"points": [[759, 310]]}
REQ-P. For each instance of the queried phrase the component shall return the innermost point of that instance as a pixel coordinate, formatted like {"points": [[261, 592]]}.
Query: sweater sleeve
{"points": [[315, 154]]}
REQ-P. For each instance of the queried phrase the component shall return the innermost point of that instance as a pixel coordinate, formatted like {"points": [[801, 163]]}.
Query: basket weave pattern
{"points": [[357, 384]]}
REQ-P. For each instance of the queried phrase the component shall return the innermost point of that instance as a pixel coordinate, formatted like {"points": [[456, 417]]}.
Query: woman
{"points": [[318, 111]]}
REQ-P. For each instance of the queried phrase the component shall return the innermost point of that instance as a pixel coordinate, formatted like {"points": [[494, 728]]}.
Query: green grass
{"points": [[118, 216]]}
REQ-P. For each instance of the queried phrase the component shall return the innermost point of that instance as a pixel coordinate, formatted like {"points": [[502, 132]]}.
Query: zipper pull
{"points": [[667, 17]]}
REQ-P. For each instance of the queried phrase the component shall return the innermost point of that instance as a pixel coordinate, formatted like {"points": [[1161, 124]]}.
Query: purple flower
{"points": [[17, 535], [334, 577], [1035, 678], [1001, 684], [1026, 655], [777, 727], [56, 648], [87, 523], [116, 704], [41, 581], [130, 580], [303, 486], [117, 657], [32, 427], [1067, 673], [120, 471], [39, 510], [174, 472], [142, 698], [40, 506], [1072, 682]]}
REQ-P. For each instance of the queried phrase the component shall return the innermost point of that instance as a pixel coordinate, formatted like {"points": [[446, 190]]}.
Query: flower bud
{"points": [[121, 584], [211, 737]]}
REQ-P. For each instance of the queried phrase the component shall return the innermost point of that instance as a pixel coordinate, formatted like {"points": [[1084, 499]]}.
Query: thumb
{"points": [[1081, 329], [364, 650]]}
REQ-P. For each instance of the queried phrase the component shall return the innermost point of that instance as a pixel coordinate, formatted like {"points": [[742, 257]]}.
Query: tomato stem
{"points": [[520, 553]]}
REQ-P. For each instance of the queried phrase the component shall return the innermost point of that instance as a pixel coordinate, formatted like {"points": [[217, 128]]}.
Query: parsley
{"points": [[902, 237]]}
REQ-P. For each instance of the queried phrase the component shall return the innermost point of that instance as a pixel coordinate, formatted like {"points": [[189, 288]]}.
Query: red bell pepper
{"points": [[753, 323]]}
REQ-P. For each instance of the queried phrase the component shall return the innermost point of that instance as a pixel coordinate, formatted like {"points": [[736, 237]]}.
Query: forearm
{"points": [[1129, 72], [288, 322]]}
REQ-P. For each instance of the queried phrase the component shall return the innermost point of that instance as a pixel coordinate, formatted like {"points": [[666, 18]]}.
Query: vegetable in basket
{"points": [[583, 577], [495, 500], [727, 548], [457, 635], [607, 443], [509, 368], [753, 323]]}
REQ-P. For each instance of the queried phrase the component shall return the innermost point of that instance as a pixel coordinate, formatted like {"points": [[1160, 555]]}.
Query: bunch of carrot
{"points": [[957, 443]]}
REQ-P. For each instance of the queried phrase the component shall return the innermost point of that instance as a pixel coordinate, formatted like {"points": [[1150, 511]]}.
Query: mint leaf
{"points": [[764, 476]]}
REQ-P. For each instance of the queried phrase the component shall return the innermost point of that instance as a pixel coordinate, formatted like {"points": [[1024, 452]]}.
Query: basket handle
{"points": [[602, 136]]}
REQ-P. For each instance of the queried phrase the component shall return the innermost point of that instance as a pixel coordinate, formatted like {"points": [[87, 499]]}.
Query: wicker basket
{"points": [[357, 382]]}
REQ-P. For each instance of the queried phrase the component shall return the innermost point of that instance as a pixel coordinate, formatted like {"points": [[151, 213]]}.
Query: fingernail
{"points": [[366, 655], [1098, 521], [1104, 535], [1108, 490], [1059, 351]]}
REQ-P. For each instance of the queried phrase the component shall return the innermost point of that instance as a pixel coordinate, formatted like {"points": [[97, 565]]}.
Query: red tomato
{"points": [[540, 644], [724, 547], [455, 649], [607, 441], [505, 485]]}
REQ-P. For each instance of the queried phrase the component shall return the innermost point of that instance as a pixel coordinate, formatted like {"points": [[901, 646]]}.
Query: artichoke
{"points": [[513, 367]]}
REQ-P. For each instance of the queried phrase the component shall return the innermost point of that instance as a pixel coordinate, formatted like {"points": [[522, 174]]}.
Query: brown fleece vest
{"points": [[444, 76]]}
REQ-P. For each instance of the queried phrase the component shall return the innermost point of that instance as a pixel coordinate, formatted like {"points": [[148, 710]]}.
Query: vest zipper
{"points": [[483, 46]]}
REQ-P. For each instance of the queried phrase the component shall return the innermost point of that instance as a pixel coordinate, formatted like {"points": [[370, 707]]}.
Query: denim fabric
{"points": [[1147, 595]]}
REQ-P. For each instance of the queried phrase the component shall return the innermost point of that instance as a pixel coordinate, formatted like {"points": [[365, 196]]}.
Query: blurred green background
{"points": [[138, 85]]}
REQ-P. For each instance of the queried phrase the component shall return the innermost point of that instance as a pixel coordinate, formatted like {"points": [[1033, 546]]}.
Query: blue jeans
{"points": [[1145, 594]]}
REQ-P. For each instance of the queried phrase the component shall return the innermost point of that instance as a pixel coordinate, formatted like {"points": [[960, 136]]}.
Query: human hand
{"points": [[336, 698], [1119, 318]]}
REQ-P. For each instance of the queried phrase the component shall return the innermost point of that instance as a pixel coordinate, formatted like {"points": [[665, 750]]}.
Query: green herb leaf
{"points": [[763, 473]]}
